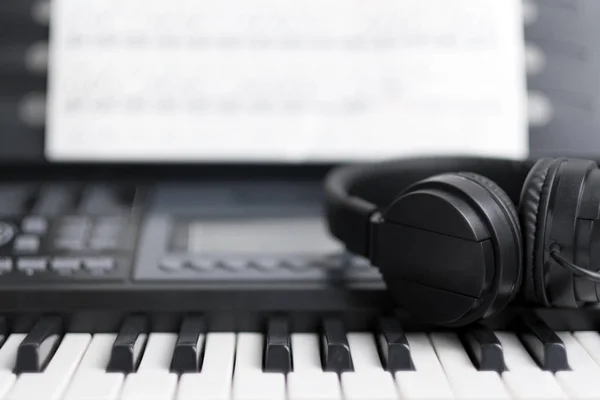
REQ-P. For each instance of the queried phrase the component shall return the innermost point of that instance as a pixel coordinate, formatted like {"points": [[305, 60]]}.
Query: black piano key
{"points": [[484, 348], [38, 347], [3, 330], [335, 351], [278, 347], [187, 355], [393, 346], [544, 345], [129, 345]]}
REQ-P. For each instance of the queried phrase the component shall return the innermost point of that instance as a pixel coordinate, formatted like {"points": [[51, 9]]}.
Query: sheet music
{"points": [[285, 81]]}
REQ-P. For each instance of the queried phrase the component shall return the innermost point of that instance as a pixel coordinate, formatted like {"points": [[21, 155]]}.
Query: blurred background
{"points": [[254, 81]]}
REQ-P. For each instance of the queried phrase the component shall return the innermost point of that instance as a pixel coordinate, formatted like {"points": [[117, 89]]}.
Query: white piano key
{"points": [[579, 385], [149, 385], [249, 382], [305, 352], [368, 385], [313, 385], [93, 384], [464, 379], [516, 356], [252, 385], [451, 353], [249, 350], [158, 352], [364, 352], [52, 382], [97, 354], [579, 359], [533, 385], [90, 380], [7, 380], [214, 380], [308, 381], [423, 354], [413, 385], [590, 341], [8, 351], [478, 385]]}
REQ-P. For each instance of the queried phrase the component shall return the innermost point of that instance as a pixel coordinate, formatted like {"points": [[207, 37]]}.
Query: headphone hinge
{"points": [[375, 222]]}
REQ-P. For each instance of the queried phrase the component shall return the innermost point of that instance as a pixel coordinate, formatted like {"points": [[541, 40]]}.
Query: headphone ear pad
{"points": [[500, 195], [535, 191]]}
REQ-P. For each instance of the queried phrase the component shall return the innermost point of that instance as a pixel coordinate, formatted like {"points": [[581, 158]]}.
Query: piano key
{"points": [[249, 381], [214, 382], [364, 352], [516, 357], [149, 385], [158, 352], [305, 352], [2, 330], [393, 345], [187, 356], [478, 385], [9, 350], [128, 346], [423, 354], [484, 348], [278, 352], [368, 384], [335, 348], [452, 355], [590, 341], [429, 380], [460, 371], [308, 381], [53, 381], [414, 385], [36, 350], [97, 355], [579, 385], [533, 385], [544, 345], [579, 359], [94, 385]]}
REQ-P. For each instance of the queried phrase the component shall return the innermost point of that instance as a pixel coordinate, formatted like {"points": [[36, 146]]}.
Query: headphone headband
{"points": [[355, 192]]}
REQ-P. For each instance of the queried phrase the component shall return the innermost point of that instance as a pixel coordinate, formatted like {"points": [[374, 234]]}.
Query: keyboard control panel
{"points": [[170, 233], [66, 232]]}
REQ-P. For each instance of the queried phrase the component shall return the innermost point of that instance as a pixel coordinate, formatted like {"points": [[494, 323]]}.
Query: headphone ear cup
{"points": [[536, 189], [449, 249], [500, 194]]}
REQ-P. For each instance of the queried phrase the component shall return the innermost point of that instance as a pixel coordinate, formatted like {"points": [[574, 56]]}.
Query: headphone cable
{"points": [[575, 269]]}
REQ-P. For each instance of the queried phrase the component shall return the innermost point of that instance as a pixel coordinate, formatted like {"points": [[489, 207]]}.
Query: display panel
{"points": [[285, 81], [258, 236]]}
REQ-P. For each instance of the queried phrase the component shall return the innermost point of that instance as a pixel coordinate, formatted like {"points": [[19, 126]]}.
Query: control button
{"points": [[104, 244], [27, 244], [99, 264], [34, 224], [296, 264], [171, 264], [201, 264], [31, 264], [360, 262], [7, 232], [266, 264], [234, 264], [65, 264], [6, 264], [69, 244]]}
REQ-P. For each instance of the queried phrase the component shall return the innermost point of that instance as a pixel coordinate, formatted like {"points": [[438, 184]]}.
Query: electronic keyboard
{"points": [[225, 289]]}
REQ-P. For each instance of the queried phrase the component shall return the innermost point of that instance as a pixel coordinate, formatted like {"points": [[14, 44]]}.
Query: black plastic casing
{"points": [[447, 251]]}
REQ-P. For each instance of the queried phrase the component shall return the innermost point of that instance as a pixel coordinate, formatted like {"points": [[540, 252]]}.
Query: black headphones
{"points": [[451, 245]]}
